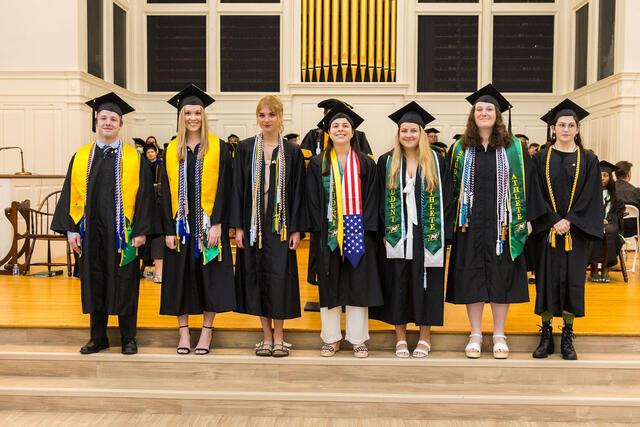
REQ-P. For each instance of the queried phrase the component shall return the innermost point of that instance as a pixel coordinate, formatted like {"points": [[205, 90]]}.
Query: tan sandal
{"points": [[264, 349], [474, 349], [329, 350], [361, 351], [280, 349], [500, 349]]}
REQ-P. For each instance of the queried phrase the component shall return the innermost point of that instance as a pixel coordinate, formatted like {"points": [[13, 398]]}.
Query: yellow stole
{"points": [[210, 172], [129, 181]]}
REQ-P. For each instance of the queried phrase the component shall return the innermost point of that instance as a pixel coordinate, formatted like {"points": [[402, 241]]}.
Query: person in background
{"points": [[152, 140], [292, 138], [524, 139], [153, 251], [432, 134], [628, 193], [139, 143], [232, 143], [533, 148], [607, 253]]}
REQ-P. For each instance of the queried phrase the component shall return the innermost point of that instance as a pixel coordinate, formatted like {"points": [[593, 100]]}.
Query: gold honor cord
{"points": [[379, 24], [318, 66], [363, 38], [344, 38], [393, 39], [312, 20], [335, 35], [304, 41], [326, 51], [552, 233], [385, 53], [354, 39]]}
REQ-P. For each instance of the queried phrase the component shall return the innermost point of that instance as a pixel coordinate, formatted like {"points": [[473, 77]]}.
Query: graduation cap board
{"points": [[563, 109], [440, 145], [608, 167], [457, 136], [340, 110], [190, 95], [291, 136], [491, 95], [412, 113], [109, 102], [431, 130], [328, 104], [139, 141]]}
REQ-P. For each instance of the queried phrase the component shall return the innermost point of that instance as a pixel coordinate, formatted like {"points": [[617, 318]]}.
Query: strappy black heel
{"points": [[183, 350], [201, 350]]}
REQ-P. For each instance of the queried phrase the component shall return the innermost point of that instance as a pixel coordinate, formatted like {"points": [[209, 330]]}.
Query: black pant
{"points": [[99, 321]]}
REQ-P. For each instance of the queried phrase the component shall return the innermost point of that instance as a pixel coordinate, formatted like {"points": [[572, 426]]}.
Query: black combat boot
{"points": [[546, 346], [566, 344]]}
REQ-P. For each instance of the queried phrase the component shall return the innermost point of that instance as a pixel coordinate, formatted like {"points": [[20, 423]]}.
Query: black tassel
{"points": [[509, 121], [93, 119]]}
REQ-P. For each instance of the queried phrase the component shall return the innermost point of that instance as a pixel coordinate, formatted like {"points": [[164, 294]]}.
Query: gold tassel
{"points": [[464, 228], [260, 241], [553, 237], [284, 232], [568, 244], [220, 252], [504, 232]]}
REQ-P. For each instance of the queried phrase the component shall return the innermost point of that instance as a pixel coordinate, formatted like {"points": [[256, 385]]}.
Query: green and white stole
{"points": [[431, 212], [515, 223]]}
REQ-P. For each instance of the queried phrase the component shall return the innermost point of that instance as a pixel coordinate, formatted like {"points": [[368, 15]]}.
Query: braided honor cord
{"points": [[468, 185], [198, 200], [280, 224], [502, 199], [257, 163], [121, 236]]}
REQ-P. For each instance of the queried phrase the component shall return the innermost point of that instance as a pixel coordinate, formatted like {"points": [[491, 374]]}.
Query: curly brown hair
{"points": [[499, 136]]}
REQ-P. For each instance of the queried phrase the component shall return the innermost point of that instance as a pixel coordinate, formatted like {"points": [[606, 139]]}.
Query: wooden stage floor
{"points": [[611, 309]]}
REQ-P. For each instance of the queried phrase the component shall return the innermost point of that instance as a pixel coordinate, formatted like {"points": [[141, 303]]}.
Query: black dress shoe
{"points": [[94, 346], [129, 346]]}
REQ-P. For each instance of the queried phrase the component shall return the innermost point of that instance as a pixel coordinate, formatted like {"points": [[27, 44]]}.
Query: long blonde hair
{"points": [[425, 161], [273, 103], [182, 136]]}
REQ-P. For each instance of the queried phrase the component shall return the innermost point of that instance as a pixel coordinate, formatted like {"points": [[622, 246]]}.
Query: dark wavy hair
{"points": [[355, 142], [500, 137]]}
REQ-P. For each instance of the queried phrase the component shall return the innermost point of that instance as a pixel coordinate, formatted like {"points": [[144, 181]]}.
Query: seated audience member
{"points": [[606, 253], [628, 193]]}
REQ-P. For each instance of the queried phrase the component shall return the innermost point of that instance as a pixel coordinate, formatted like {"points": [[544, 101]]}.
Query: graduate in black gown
{"points": [[198, 266], [313, 143], [269, 217], [606, 254], [153, 252], [495, 189], [571, 185], [416, 214], [342, 194], [107, 236]]}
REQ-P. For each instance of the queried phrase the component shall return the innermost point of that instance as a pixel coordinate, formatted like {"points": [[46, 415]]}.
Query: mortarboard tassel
{"points": [[509, 121], [568, 244], [93, 119]]}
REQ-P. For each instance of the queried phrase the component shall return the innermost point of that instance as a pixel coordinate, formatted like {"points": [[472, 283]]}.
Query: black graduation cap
{"points": [[191, 95], [490, 94], [291, 136], [412, 113], [432, 130], [328, 104], [340, 109], [109, 102], [233, 135], [565, 108], [148, 147], [608, 167], [457, 136], [139, 141]]}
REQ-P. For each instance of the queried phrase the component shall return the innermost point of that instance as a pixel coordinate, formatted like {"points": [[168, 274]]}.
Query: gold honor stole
{"points": [[517, 229], [209, 182], [129, 179]]}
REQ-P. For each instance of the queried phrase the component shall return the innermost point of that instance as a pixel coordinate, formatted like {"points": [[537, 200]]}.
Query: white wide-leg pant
{"points": [[356, 328]]}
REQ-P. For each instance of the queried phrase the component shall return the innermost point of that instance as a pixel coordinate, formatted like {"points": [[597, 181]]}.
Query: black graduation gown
{"points": [[105, 286], [339, 282], [476, 273], [188, 287], [405, 299], [560, 275], [267, 279], [313, 141], [154, 247], [612, 232]]}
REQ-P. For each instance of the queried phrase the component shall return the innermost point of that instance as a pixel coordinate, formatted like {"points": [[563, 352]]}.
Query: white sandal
{"points": [[418, 352], [473, 349], [402, 353], [500, 349]]}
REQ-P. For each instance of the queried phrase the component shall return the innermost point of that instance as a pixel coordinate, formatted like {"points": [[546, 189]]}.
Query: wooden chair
{"points": [[40, 229]]}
